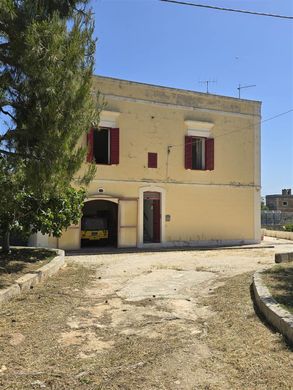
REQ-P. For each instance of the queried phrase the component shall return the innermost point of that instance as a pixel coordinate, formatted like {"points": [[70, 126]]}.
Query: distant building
{"points": [[280, 202]]}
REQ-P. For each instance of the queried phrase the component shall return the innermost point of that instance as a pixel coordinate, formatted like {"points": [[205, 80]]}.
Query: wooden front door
{"points": [[152, 217], [156, 220]]}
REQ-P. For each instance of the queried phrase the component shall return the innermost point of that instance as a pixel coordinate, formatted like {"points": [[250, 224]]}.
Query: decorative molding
{"points": [[198, 125], [179, 106], [199, 129], [199, 133], [160, 182], [109, 119], [101, 197]]}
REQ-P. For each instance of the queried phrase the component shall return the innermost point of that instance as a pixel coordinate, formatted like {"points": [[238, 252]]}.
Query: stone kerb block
{"points": [[51, 268], [283, 257], [281, 319], [25, 282], [10, 292]]}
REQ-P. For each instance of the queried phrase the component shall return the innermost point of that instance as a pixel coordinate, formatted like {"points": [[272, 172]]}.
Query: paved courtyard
{"points": [[164, 320]]}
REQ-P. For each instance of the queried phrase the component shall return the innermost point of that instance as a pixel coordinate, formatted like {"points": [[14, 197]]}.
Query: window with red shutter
{"points": [[152, 160], [103, 146], [199, 153]]}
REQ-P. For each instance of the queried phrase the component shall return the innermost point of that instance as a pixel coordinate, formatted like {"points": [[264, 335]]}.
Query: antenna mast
{"points": [[242, 87], [207, 82]]}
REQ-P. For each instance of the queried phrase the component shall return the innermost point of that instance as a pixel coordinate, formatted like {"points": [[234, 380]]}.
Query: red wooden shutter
{"points": [[152, 160], [90, 145], [188, 152], [209, 154], [114, 146]]}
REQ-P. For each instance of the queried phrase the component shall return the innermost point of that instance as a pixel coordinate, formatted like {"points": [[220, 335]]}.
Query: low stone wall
{"points": [[24, 283], [277, 234], [281, 319], [283, 257]]}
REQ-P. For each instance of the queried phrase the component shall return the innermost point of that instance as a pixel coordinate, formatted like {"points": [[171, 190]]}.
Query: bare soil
{"points": [[20, 262], [117, 324]]}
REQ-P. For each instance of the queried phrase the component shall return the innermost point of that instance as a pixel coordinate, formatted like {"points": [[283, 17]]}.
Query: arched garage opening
{"points": [[99, 224]]}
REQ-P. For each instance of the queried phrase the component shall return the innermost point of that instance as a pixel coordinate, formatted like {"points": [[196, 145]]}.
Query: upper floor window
{"points": [[199, 145], [199, 153], [101, 149], [103, 145]]}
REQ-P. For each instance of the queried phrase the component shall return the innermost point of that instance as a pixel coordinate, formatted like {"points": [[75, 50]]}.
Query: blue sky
{"points": [[179, 46]]}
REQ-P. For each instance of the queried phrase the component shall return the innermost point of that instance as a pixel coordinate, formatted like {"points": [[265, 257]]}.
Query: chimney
{"points": [[286, 191]]}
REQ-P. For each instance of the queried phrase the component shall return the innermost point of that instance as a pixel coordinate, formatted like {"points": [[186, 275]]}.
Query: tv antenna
{"points": [[207, 82], [242, 87]]}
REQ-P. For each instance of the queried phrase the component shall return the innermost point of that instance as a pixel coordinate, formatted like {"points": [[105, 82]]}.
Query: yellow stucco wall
{"points": [[204, 206]]}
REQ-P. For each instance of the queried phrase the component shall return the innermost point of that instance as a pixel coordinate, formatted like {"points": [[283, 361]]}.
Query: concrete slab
{"points": [[164, 283]]}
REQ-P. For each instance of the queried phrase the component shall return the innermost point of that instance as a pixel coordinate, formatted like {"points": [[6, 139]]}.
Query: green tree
{"points": [[46, 66], [26, 212]]}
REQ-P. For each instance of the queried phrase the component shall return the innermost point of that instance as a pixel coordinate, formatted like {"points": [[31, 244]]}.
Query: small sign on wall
{"points": [[167, 217]]}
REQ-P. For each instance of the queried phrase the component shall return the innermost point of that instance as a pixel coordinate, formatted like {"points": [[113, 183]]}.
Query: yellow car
{"points": [[94, 234]]}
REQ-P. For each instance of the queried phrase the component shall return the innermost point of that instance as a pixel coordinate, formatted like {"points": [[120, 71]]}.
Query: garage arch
{"points": [[99, 223]]}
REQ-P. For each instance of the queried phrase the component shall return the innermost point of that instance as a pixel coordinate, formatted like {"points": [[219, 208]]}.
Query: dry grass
{"points": [[245, 350], [30, 327], [242, 353], [279, 280], [32, 355], [20, 262]]}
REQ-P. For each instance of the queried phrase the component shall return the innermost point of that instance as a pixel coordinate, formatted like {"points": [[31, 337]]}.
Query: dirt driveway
{"points": [[165, 320]]}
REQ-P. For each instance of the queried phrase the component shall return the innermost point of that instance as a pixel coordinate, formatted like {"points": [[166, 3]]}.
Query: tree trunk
{"points": [[6, 242]]}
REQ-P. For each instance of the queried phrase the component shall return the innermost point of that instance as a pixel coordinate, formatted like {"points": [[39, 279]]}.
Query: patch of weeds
{"points": [[85, 380]]}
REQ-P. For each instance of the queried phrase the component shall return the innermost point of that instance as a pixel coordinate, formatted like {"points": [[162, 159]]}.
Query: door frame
{"points": [[162, 191]]}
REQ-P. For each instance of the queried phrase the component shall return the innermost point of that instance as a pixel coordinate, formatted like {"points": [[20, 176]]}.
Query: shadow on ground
{"points": [[18, 260]]}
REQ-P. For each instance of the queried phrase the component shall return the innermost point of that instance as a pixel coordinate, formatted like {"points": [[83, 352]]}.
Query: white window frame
{"points": [[200, 129], [108, 120]]}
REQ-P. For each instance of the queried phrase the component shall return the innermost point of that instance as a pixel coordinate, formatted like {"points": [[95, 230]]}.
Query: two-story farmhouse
{"points": [[174, 167]]}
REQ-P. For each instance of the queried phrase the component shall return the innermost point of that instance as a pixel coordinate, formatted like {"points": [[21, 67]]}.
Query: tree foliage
{"points": [[25, 211], [46, 65]]}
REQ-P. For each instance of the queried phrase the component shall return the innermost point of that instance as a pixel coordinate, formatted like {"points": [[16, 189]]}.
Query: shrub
{"points": [[288, 227]]}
